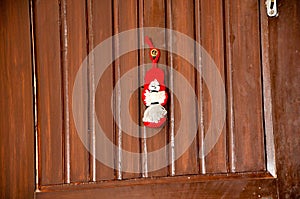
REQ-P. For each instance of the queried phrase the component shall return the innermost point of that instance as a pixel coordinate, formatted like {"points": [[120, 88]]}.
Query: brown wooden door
{"points": [[241, 162], [235, 34]]}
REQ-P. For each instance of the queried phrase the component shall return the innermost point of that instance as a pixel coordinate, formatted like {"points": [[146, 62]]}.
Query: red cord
{"points": [[152, 48], [148, 41]]}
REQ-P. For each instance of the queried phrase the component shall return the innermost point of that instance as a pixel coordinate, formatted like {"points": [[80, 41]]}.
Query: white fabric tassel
{"points": [[154, 113]]}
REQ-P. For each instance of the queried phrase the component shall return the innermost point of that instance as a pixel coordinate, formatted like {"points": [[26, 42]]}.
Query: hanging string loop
{"points": [[154, 52]]}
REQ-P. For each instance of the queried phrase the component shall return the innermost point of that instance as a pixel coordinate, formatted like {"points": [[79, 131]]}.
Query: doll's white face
{"points": [[154, 86]]}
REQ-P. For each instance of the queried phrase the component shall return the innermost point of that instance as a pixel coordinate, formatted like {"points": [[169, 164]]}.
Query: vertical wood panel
{"points": [[169, 25], [182, 17], [50, 105], [126, 17], [102, 28], [153, 15], [16, 102], [199, 87], [76, 51], [117, 101], [143, 129], [246, 151], [209, 30]]}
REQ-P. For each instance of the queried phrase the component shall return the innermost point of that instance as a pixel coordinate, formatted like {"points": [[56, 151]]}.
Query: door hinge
{"points": [[272, 8]]}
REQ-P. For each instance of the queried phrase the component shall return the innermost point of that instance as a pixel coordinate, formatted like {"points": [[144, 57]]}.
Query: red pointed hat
{"points": [[155, 73]]}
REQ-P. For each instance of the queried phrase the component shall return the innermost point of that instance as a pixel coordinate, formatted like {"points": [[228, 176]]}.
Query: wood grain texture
{"points": [[101, 19], [284, 37], [171, 112], [75, 49], [49, 92], [56, 66], [229, 31], [246, 139], [209, 25], [174, 187], [267, 93], [16, 103], [126, 18], [153, 15], [181, 19]]}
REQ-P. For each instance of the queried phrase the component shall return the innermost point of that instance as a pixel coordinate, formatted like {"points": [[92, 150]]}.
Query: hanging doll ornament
{"points": [[154, 93]]}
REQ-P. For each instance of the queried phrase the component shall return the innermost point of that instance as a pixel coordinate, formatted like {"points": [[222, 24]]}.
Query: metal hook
{"points": [[272, 8]]}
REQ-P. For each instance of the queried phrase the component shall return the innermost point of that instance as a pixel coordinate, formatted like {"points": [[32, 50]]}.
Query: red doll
{"points": [[154, 94]]}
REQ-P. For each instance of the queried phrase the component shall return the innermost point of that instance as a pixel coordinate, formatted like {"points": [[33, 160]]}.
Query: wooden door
{"points": [[242, 161], [235, 34]]}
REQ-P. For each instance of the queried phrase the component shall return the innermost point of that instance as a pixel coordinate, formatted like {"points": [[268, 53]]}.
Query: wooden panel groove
{"points": [[118, 131], [169, 25], [65, 85], [34, 75], [230, 116], [91, 89], [199, 88], [228, 90], [143, 131]]}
